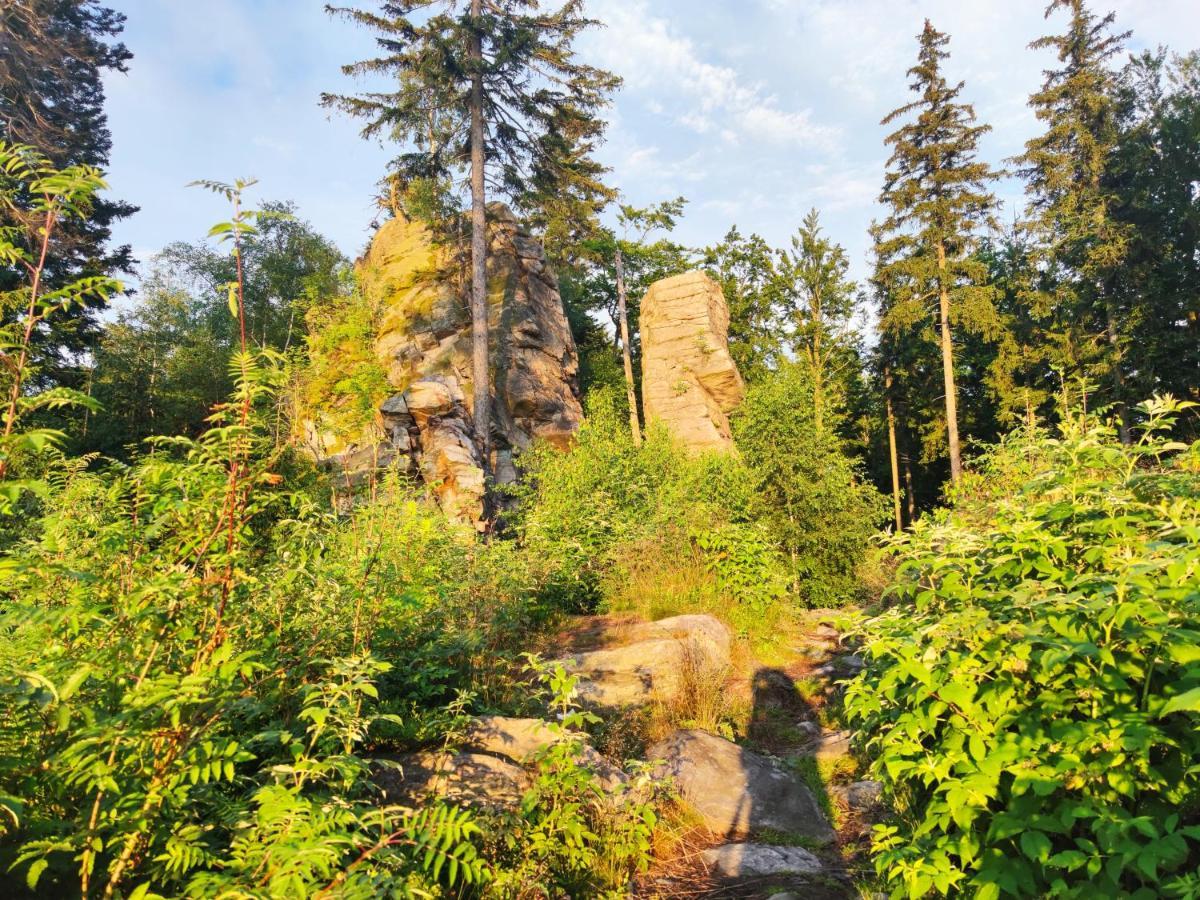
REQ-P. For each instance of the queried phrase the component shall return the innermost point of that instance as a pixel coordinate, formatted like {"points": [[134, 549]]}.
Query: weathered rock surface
{"points": [[521, 739], [861, 796], [424, 344], [472, 779], [830, 745], [689, 380], [737, 791], [653, 664], [759, 860]]}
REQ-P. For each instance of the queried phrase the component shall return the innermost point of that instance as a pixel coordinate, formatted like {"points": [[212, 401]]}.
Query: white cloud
{"points": [[650, 53]]}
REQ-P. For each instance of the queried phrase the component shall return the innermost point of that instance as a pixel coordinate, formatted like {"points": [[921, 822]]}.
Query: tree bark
{"points": [[627, 353], [1118, 374], [479, 305], [891, 423], [909, 494], [948, 369]]}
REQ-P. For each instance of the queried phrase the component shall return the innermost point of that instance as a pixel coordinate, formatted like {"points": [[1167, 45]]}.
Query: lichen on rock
{"points": [[423, 344]]}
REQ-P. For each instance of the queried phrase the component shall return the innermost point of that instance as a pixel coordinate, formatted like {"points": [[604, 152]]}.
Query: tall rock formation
{"points": [[690, 382], [424, 346]]}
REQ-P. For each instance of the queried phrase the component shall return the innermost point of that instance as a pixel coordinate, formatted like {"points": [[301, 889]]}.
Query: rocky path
{"points": [[771, 801]]}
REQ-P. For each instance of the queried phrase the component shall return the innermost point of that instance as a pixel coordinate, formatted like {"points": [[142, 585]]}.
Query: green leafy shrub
{"points": [[342, 378], [1032, 698], [574, 837], [608, 515], [812, 497]]}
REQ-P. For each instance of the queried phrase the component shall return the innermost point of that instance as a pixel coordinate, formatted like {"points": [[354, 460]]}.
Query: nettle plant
{"points": [[1032, 696]]}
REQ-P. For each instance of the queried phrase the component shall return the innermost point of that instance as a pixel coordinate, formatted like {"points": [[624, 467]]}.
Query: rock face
{"points": [[690, 383], [736, 791], [760, 860], [654, 661], [424, 345]]}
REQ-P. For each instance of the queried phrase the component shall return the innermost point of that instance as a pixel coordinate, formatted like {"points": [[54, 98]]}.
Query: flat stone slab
{"points": [[737, 791], [653, 664], [522, 739], [760, 860], [471, 779]]}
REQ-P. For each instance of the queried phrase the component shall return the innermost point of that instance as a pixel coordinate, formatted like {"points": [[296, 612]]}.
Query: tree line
{"points": [[1091, 289]]}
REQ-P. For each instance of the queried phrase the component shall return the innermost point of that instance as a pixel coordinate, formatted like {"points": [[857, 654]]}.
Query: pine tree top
{"points": [[936, 193], [540, 103]]}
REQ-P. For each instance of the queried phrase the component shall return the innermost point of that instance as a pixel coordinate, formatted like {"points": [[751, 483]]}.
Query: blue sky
{"points": [[755, 110]]}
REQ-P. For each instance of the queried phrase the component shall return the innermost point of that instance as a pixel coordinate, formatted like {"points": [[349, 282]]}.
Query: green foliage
{"points": [[1031, 695], [343, 382], [807, 492], [574, 836], [159, 369], [748, 270], [593, 512], [43, 198]]}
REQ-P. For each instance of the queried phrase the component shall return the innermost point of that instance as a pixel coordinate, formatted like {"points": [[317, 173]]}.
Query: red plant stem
{"points": [[31, 320], [235, 499]]}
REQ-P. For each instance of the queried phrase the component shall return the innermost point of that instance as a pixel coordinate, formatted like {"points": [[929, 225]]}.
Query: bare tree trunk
{"points": [[891, 422], [479, 305], [1118, 374], [948, 369], [909, 494], [626, 352], [818, 370]]}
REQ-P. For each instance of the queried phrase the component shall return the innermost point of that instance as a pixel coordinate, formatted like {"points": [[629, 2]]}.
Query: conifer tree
{"points": [[822, 301], [489, 93], [936, 195], [1071, 212], [53, 57]]}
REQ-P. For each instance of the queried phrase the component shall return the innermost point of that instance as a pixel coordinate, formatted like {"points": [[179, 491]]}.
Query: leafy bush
{"points": [[342, 382], [812, 497], [1032, 698], [609, 514], [573, 836]]}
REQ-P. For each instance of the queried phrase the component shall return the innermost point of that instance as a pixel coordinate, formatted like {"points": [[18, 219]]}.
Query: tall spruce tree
{"points": [[821, 301], [53, 56], [1154, 175], [936, 195], [490, 93], [1079, 241]]}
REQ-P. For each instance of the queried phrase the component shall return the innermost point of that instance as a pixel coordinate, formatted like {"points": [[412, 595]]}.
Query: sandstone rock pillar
{"points": [[690, 382]]}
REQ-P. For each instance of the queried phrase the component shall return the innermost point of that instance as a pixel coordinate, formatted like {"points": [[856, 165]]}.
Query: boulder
{"points": [[737, 791], [522, 739], [861, 796], [470, 779], [760, 860], [690, 382], [654, 664], [423, 343]]}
